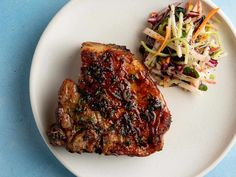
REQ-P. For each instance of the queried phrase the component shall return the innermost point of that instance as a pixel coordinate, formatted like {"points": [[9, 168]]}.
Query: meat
{"points": [[115, 108]]}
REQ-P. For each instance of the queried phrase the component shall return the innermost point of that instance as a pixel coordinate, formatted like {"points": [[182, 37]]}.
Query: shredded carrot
{"points": [[158, 38], [213, 49], [213, 12], [203, 38], [163, 45], [168, 60]]}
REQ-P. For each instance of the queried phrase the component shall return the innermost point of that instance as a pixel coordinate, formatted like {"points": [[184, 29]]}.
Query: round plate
{"points": [[203, 127]]}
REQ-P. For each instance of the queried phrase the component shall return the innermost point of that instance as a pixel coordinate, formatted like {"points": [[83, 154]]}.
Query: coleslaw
{"points": [[182, 47]]}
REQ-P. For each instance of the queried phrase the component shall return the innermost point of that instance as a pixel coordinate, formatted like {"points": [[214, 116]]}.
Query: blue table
{"points": [[22, 150]]}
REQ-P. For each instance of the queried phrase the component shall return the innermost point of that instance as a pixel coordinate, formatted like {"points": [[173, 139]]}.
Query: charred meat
{"points": [[115, 108]]}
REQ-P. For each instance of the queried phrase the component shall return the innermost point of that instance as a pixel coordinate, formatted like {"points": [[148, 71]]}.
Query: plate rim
{"points": [[50, 25]]}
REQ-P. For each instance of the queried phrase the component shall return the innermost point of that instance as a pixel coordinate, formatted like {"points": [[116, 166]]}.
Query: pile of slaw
{"points": [[182, 47]]}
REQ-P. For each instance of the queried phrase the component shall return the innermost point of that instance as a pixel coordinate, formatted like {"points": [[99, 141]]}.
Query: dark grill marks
{"points": [[119, 110]]}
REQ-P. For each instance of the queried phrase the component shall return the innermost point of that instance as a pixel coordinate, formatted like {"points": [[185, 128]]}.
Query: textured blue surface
{"points": [[22, 150]]}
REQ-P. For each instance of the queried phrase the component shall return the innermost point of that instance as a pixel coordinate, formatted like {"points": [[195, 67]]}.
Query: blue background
{"points": [[22, 150]]}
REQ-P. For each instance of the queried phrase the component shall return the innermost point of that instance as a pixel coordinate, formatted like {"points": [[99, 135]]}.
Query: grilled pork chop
{"points": [[115, 108]]}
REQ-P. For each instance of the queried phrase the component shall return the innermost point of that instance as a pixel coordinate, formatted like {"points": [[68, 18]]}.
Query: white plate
{"points": [[203, 127]]}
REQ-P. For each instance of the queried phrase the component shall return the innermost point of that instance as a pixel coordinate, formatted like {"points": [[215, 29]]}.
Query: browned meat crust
{"points": [[115, 108]]}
